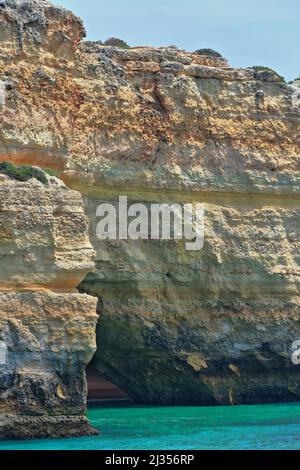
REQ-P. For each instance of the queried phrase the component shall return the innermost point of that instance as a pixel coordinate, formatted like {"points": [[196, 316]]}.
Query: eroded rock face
{"points": [[47, 329], [209, 327], [161, 125], [38, 25], [44, 234]]}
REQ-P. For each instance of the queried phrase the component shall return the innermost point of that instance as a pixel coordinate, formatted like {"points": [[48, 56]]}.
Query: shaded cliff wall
{"points": [[214, 326]]}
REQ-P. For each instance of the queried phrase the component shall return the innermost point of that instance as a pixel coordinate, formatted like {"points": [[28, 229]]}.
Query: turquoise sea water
{"points": [[183, 428]]}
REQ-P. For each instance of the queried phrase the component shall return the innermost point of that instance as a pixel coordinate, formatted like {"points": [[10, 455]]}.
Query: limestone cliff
{"points": [[47, 329], [209, 327]]}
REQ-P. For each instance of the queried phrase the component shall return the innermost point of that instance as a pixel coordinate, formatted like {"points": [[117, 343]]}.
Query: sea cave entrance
{"points": [[101, 390]]}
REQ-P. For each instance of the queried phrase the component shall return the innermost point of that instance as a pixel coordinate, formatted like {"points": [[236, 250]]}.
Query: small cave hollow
{"points": [[101, 390]]}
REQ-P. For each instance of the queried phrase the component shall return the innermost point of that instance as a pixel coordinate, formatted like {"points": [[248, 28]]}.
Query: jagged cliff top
{"points": [[38, 24], [156, 117], [41, 24]]}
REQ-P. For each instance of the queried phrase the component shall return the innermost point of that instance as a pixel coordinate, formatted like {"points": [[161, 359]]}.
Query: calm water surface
{"points": [[183, 428]]}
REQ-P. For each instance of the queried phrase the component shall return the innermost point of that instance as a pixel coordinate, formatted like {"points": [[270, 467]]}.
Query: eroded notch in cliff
{"points": [[102, 390]]}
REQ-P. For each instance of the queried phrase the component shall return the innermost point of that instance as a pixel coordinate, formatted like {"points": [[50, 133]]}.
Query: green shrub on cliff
{"points": [[295, 80], [262, 68], [51, 172], [209, 52], [22, 173], [116, 42]]}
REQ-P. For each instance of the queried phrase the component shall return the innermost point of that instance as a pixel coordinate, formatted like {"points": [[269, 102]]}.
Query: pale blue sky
{"points": [[247, 32]]}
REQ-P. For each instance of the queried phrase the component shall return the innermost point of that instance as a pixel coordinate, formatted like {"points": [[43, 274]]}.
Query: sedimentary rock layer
{"points": [[164, 125], [47, 329]]}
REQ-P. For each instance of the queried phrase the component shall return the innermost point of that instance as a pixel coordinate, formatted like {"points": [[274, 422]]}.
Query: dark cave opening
{"points": [[102, 390]]}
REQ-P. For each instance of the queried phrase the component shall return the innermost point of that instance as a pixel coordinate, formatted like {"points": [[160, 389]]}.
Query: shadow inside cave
{"points": [[101, 390]]}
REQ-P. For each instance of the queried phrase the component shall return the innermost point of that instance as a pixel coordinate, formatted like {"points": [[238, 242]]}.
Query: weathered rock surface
{"points": [[214, 326], [48, 329], [44, 237], [35, 25]]}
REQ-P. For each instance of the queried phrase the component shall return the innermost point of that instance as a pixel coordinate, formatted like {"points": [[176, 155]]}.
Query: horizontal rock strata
{"points": [[47, 329], [164, 125]]}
